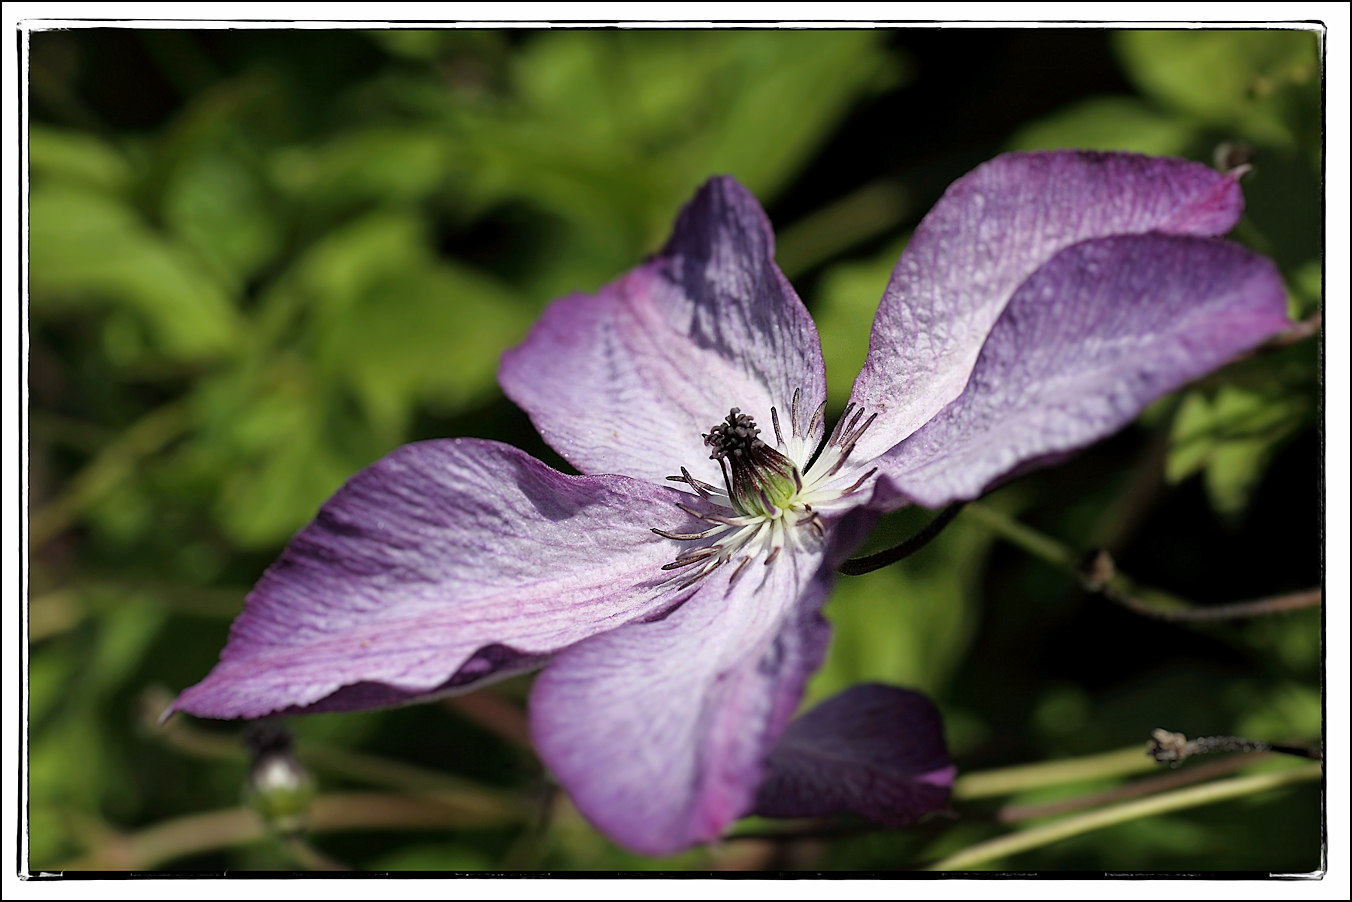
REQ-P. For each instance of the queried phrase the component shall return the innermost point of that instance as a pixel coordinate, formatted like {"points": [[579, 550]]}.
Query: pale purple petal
{"points": [[442, 565], [873, 750], [991, 230], [659, 731], [1093, 337], [628, 379]]}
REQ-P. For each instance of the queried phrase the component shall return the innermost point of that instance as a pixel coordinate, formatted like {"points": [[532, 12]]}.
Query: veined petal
{"points": [[659, 731], [990, 231], [1093, 337], [439, 566], [873, 750], [626, 380]]}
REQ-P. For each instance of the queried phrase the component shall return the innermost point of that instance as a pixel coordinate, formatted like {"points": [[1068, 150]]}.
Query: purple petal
{"points": [[1093, 337], [990, 231], [628, 379], [873, 750], [440, 566], [659, 730]]}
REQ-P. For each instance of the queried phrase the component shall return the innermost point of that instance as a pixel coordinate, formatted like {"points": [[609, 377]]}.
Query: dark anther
{"points": [[867, 564], [757, 476], [735, 436]]}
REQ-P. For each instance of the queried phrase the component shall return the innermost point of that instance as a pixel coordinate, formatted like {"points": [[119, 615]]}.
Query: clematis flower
{"points": [[674, 590]]}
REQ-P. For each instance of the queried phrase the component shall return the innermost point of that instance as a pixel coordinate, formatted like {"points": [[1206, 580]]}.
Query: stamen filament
{"points": [[688, 536]]}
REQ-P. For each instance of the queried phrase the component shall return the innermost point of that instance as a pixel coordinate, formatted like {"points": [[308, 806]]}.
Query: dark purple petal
{"points": [[444, 564], [990, 231], [873, 750], [626, 380], [1093, 337], [659, 731]]}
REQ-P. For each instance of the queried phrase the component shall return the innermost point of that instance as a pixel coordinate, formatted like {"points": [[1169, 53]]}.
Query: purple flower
{"points": [[1042, 303]]}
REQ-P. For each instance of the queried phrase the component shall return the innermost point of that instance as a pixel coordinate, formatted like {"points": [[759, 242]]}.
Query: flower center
{"points": [[768, 503], [760, 480]]}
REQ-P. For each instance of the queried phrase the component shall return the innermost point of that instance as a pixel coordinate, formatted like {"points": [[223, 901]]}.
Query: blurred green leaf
{"points": [[1295, 637], [1231, 435], [126, 629], [50, 670], [1307, 290], [76, 159], [215, 204], [612, 132], [89, 248], [1227, 78], [401, 327], [266, 431], [431, 335], [1108, 123], [846, 301], [1288, 712], [389, 165], [908, 624]]}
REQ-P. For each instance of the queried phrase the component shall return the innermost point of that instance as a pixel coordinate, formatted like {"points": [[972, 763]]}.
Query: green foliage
{"points": [[1108, 123], [89, 248], [846, 301], [1260, 82], [1231, 436], [909, 624]]}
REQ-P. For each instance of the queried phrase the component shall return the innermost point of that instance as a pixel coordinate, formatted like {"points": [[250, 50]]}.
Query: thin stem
{"points": [[870, 562], [1098, 573], [1012, 814], [1027, 538], [465, 795], [1276, 604], [213, 830], [1047, 834], [1009, 780]]}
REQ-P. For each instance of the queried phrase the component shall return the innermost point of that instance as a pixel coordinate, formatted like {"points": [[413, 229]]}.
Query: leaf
{"points": [[385, 164], [76, 159], [908, 624], [267, 433], [88, 248], [1107, 123], [614, 131], [400, 327], [431, 335], [1236, 79], [1232, 436], [845, 304], [216, 205]]}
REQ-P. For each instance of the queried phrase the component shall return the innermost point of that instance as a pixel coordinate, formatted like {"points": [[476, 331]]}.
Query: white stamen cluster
{"points": [[772, 498]]}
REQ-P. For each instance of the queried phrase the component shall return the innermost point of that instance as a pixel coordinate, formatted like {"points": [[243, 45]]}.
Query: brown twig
{"points": [[1098, 573]]}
